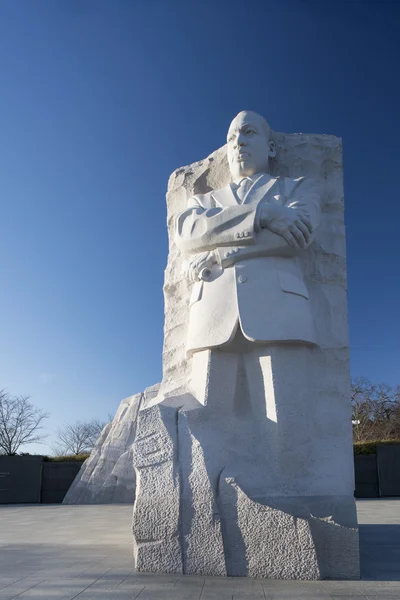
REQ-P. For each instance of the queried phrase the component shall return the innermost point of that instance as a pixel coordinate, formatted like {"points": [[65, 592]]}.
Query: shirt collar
{"points": [[252, 178]]}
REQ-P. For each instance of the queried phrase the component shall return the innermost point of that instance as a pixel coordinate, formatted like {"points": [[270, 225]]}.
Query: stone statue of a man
{"points": [[249, 304]]}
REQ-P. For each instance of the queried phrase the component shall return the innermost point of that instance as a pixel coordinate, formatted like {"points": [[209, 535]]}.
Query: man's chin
{"points": [[243, 172]]}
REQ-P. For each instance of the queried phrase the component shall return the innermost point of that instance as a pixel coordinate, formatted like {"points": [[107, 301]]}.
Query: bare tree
{"points": [[376, 410], [78, 437], [20, 423]]}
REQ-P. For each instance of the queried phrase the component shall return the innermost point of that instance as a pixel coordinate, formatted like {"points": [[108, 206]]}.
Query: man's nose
{"points": [[240, 140]]}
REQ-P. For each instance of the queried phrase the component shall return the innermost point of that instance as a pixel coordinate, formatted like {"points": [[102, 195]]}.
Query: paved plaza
{"points": [[85, 552]]}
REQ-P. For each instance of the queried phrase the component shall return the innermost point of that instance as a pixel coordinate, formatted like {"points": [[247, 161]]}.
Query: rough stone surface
{"points": [[270, 512], [263, 541], [156, 522], [108, 475], [203, 549]]}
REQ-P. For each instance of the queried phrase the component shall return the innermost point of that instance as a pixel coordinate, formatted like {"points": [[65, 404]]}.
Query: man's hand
{"points": [[197, 267], [292, 224]]}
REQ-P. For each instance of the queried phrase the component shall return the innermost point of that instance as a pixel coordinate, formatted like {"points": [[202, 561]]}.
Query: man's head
{"points": [[249, 144]]}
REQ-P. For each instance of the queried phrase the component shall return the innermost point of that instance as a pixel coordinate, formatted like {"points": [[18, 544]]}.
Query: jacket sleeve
{"points": [[300, 195], [202, 228], [305, 197]]}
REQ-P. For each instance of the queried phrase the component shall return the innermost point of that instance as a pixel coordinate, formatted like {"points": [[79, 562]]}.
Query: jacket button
{"points": [[226, 254], [242, 279]]}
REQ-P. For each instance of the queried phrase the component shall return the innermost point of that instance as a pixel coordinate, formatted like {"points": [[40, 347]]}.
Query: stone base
{"points": [[303, 541], [156, 522], [183, 522]]}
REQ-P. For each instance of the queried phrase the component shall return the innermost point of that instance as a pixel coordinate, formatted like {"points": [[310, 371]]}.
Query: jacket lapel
{"points": [[225, 196], [259, 189]]}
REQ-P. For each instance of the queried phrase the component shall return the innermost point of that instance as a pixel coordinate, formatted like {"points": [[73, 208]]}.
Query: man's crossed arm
{"points": [[279, 228]]}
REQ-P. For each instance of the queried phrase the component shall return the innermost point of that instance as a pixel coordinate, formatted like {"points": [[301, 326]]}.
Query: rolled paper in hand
{"points": [[205, 274]]}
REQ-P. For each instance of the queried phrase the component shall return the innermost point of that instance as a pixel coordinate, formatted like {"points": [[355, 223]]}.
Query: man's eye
{"points": [[249, 131]]}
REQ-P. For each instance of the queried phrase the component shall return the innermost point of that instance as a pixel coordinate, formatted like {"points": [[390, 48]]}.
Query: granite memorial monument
{"points": [[243, 458]]}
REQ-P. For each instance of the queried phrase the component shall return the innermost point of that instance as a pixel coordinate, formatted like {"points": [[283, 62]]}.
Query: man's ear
{"points": [[272, 149]]}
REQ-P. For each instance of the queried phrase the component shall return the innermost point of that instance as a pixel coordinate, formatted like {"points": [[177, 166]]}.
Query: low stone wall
{"points": [[366, 476], [57, 478], [20, 479], [378, 475], [31, 480], [388, 466]]}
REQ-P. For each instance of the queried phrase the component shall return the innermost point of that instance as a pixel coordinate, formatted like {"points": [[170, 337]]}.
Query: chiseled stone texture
{"points": [[108, 475], [203, 548], [156, 520], [263, 541], [248, 516]]}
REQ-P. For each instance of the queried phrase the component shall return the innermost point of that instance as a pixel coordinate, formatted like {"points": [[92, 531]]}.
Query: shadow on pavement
{"points": [[380, 552]]}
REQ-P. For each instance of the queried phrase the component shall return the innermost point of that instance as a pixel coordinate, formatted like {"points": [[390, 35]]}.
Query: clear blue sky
{"points": [[101, 100]]}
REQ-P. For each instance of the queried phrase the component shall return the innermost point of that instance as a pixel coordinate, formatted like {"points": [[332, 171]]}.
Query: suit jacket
{"points": [[257, 281]]}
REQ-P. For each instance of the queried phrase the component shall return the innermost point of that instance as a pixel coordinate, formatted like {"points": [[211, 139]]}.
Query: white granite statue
{"points": [[243, 460], [243, 241]]}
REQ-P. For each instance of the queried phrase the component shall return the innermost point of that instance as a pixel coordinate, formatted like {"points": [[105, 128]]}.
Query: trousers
{"points": [[260, 416]]}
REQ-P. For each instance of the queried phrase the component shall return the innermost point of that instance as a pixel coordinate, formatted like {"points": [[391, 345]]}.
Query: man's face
{"points": [[248, 147]]}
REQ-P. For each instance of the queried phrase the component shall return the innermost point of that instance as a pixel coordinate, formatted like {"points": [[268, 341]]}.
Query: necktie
{"points": [[243, 188]]}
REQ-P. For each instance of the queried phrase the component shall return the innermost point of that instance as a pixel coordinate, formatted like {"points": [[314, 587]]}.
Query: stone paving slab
{"points": [[61, 552]]}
